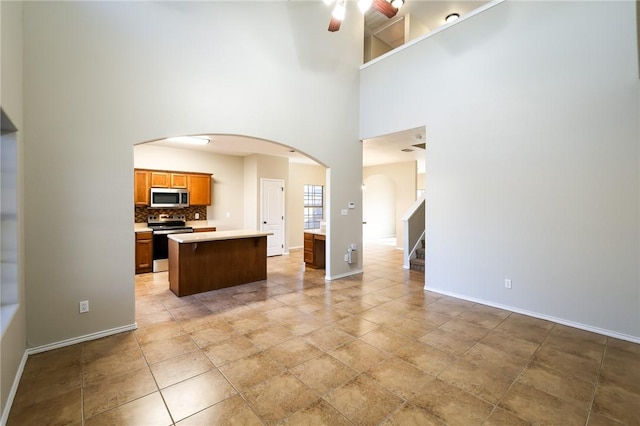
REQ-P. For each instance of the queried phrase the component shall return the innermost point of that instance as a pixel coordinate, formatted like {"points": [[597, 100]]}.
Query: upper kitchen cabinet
{"points": [[178, 180], [199, 186], [141, 186], [161, 179]]}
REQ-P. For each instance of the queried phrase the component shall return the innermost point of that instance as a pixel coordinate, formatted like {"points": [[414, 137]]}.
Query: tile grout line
{"points": [[153, 376], [522, 371], [597, 382], [515, 380]]}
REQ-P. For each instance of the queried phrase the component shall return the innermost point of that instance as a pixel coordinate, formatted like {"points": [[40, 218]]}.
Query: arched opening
{"points": [[238, 167]]}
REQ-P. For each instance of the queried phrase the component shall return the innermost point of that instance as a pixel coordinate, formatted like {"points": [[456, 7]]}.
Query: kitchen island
{"points": [[205, 261]]}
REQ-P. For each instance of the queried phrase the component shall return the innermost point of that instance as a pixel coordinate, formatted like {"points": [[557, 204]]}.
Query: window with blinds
{"points": [[313, 206]]}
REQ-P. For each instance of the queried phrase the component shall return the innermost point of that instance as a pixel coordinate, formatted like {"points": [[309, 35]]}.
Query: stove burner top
{"points": [[166, 222], [163, 227]]}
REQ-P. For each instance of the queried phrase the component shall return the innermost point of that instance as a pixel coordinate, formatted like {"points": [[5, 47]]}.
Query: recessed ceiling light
{"points": [[406, 150], [194, 140], [451, 17]]}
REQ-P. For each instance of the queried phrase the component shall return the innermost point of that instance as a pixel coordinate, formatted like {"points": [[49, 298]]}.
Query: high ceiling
{"points": [[429, 13], [387, 149]]}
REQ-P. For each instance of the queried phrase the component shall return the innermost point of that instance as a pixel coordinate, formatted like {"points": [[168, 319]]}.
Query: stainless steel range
{"points": [[163, 225]]}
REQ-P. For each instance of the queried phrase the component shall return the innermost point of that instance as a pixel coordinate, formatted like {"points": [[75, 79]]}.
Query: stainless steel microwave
{"points": [[169, 198]]}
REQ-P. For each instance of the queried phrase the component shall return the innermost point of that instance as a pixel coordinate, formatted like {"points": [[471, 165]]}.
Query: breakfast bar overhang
{"points": [[205, 261]]}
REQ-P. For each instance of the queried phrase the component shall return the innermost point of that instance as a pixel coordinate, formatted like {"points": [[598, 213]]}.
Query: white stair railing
{"points": [[414, 229]]}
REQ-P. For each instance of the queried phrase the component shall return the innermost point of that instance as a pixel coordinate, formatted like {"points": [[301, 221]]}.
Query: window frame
{"points": [[313, 198]]}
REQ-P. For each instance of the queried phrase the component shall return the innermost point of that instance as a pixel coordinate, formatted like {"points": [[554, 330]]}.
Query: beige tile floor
{"points": [[370, 349]]}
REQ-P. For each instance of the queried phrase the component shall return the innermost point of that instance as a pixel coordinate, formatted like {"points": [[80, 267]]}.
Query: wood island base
{"points": [[196, 267]]}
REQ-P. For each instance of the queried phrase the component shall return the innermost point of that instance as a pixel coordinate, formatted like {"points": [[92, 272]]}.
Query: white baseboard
{"points": [[51, 346], [80, 339], [586, 327], [346, 274], [14, 390]]}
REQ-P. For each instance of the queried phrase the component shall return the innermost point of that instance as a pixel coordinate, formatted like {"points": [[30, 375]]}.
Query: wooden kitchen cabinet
{"points": [[141, 187], [314, 250], [144, 252], [160, 179], [178, 180], [199, 186]]}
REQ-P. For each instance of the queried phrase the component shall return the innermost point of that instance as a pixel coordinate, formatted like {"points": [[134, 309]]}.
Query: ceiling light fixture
{"points": [[193, 140], [364, 5], [388, 8], [451, 17], [339, 10]]}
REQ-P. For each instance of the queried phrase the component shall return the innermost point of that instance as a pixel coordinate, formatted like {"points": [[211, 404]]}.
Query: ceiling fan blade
{"points": [[385, 8], [334, 24]]}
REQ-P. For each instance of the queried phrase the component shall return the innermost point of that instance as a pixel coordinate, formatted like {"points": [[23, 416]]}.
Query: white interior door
{"points": [[272, 214]]}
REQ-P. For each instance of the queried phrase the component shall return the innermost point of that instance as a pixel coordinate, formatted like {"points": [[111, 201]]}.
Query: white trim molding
{"points": [[586, 327], [49, 347], [14, 390], [81, 339], [346, 274]]}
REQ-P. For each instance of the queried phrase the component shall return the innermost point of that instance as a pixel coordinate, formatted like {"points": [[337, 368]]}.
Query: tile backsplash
{"points": [[142, 213]]}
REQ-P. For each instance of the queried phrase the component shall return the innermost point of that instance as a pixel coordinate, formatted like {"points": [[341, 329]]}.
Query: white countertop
{"points": [[199, 224], [200, 237], [141, 227]]}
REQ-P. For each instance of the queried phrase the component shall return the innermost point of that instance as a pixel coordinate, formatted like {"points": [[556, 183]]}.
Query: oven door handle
{"points": [[169, 231]]}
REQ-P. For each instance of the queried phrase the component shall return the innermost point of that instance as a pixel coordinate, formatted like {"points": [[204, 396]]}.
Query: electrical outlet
{"points": [[507, 283], [346, 257], [84, 306]]}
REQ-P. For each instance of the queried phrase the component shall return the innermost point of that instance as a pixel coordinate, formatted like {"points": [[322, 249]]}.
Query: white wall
{"points": [[101, 77], [14, 328], [420, 182], [251, 182], [226, 185], [384, 218], [378, 206], [532, 111], [299, 176]]}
